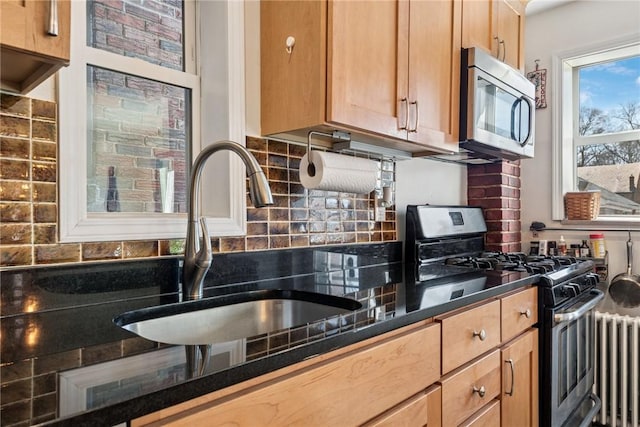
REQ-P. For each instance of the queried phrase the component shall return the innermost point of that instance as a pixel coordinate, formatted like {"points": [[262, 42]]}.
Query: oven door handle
{"points": [[579, 309]]}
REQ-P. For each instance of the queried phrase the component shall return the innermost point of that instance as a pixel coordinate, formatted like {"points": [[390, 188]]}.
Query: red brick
{"points": [[473, 170], [476, 192]]}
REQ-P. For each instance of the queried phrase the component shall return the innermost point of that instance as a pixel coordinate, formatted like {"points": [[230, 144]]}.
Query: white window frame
{"points": [[225, 119], [565, 128]]}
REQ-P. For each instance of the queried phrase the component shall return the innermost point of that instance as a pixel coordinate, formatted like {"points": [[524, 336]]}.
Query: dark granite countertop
{"points": [[68, 317]]}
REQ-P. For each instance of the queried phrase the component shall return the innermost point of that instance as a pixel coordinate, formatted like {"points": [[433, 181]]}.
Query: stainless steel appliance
{"points": [[568, 299], [444, 246], [497, 108]]}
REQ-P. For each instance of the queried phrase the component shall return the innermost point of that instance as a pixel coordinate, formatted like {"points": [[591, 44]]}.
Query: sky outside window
{"points": [[608, 86]]}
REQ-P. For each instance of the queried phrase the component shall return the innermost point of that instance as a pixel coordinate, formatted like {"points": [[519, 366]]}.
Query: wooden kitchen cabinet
{"points": [[519, 312], [468, 333], [497, 26], [488, 416], [520, 381], [470, 388], [397, 379], [386, 72], [345, 387], [29, 54], [425, 409], [504, 364]]}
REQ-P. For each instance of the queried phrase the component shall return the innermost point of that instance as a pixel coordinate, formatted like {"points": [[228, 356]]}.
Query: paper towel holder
{"points": [[337, 135]]}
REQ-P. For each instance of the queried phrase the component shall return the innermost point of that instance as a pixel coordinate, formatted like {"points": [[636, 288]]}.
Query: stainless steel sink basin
{"points": [[232, 317]]}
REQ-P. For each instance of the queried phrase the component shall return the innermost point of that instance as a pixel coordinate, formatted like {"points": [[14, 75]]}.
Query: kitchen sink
{"points": [[232, 317]]}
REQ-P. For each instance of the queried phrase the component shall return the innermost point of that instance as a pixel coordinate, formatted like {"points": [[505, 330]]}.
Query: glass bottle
{"points": [[585, 252], [562, 246], [113, 202]]}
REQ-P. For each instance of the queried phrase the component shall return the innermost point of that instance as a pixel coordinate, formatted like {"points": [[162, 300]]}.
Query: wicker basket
{"points": [[584, 205]]}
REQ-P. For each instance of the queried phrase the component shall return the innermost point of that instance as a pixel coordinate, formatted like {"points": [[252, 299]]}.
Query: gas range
{"points": [[562, 277], [445, 248], [514, 261]]}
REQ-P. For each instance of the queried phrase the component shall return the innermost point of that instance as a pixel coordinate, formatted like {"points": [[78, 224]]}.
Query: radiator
{"points": [[617, 373]]}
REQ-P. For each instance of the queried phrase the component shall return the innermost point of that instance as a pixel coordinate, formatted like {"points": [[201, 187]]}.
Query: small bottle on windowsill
{"points": [[562, 246], [585, 252], [113, 202]]}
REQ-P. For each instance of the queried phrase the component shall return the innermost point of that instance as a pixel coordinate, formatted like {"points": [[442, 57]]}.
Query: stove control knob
{"points": [[570, 290]]}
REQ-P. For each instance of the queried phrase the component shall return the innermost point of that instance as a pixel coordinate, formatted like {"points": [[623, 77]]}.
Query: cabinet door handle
{"points": [[405, 101], [504, 50], [497, 39], [481, 391], [526, 313], [53, 18], [415, 128], [482, 334], [513, 377]]}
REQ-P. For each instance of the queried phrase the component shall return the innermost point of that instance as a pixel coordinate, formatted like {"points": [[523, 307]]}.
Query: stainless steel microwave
{"points": [[497, 108]]}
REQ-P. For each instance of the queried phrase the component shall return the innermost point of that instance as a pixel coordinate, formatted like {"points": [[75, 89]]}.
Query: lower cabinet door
{"points": [[488, 416], [421, 410], [520, 381]]}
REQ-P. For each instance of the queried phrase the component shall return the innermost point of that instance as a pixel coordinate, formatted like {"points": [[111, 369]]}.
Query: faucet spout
{"points": [[197, 252]]}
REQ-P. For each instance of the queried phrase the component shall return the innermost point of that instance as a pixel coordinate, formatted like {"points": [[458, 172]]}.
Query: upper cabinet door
{"points": [[366, 62], [510, 28], [434, 73], [497, 26], [29, 52], [478, 25]]}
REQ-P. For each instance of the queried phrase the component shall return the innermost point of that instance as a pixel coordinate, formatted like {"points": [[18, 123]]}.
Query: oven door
{"points": [[571, 355]]}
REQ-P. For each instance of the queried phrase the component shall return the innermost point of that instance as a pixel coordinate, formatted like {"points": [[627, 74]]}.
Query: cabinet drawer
{"points": [[418, 411], [489, 416], [468, 334], [467, 390], [519, 312]]}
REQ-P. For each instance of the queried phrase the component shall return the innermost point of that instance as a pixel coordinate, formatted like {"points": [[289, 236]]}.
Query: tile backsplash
{"points": [[299, 217]]}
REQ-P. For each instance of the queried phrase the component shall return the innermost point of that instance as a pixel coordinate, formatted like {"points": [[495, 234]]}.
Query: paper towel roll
{"points": [[336, 172]]}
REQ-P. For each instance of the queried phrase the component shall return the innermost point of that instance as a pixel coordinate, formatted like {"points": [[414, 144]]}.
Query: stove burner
{"points": [[513, 261]]}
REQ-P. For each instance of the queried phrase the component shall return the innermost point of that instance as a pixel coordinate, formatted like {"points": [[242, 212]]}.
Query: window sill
{"points": [[604, 223]]}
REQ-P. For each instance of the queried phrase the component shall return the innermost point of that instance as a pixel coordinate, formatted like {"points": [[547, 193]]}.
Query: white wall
{"points": [[572, 26], [422, 181]]}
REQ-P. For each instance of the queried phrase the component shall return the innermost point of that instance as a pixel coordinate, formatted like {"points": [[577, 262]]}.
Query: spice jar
{"points": [[598, 248]]}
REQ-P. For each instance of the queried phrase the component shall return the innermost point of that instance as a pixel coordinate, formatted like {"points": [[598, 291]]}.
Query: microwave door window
{"points": [[483, 105], [494, 109], [504, 118]]}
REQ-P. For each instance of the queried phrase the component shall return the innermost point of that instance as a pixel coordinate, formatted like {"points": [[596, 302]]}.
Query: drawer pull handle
{"points": [[481, 391], [482, 334], [526, 313], [513, 377]]}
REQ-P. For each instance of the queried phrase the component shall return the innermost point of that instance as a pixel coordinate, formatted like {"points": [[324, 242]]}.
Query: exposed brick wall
{"points": [[496, 188], [149, 30]]}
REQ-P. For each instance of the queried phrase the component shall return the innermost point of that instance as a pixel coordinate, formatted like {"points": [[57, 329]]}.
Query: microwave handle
{"points": [[514, 107]]}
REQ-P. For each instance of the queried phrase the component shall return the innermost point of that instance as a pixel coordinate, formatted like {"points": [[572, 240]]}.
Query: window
{"points": [[130, 109], [598, 139]]}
